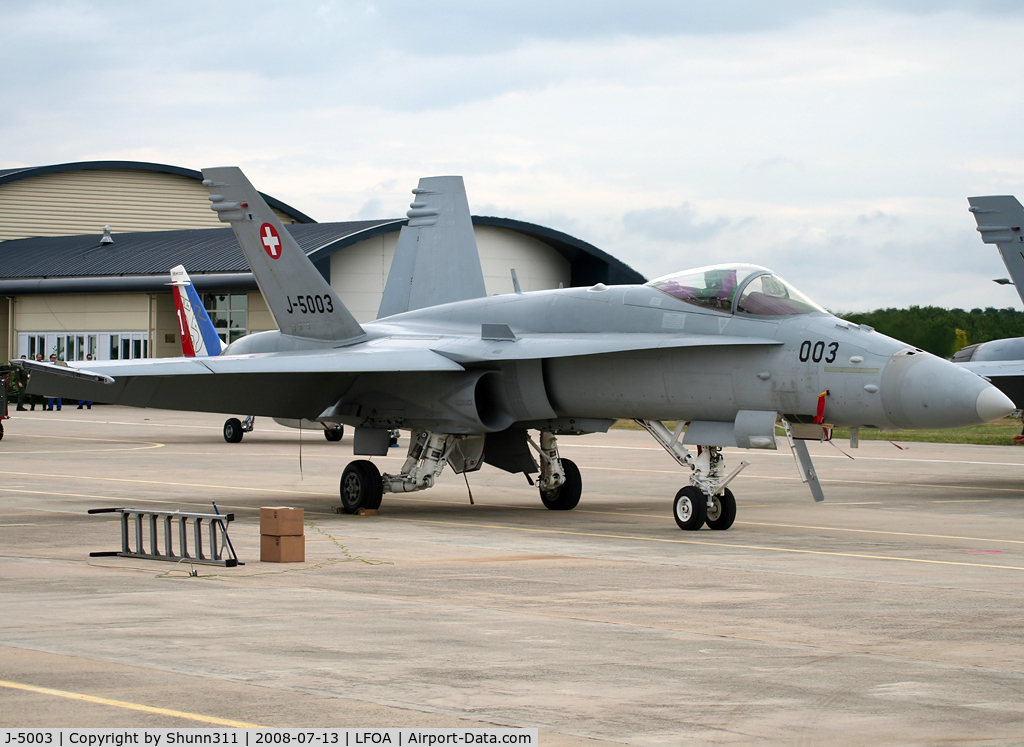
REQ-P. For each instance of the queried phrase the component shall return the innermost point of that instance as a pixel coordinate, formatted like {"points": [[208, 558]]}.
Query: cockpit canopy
{"points": [[747, 289]]}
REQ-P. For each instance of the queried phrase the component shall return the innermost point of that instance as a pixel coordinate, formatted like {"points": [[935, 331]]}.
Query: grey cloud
{"points": [[673, 224], [371, 210]]}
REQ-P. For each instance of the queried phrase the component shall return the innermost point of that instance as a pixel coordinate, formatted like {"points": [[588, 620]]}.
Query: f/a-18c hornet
{"points": [[729, 352]]}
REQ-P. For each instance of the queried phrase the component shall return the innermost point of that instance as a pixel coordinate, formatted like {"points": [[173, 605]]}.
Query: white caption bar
{"points": [[258, 737]]}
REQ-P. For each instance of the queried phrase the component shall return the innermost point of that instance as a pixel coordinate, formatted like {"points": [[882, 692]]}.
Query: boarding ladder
{"points": [[216, 526]]}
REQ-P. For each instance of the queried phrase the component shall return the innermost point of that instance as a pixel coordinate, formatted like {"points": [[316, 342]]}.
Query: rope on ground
{"points": [[349, 558]]}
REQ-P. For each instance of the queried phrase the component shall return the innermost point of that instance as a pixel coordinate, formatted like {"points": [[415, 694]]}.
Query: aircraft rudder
{"points": [[436, 260], [198, 335], [300, 299]]}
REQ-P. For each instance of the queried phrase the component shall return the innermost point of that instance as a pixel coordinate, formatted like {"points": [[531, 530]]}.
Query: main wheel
{"points": [[567, 495], [690, 509], [722, 512], [233, 430], [1, 431], [334, 434], [361, 486]]}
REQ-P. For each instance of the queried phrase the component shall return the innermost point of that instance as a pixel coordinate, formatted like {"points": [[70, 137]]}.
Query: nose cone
{"points": [[922, 391], [993, 404]]}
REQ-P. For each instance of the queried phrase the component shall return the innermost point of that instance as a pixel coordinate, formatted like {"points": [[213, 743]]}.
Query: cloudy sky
{"points": [[835, 142]]}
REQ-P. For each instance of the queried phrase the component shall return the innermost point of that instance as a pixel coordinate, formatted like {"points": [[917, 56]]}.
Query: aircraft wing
{"points": [[1007, 376], [357, 360], [501, 347], [292, 384]]}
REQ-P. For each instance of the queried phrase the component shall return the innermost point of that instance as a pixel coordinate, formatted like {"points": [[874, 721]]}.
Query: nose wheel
{"points": [[693, 507], [690, 509], [722, 511]]}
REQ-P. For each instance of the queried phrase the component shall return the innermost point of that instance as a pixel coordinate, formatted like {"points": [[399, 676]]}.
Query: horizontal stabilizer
{"points": [[436, 260], [302, 302]]}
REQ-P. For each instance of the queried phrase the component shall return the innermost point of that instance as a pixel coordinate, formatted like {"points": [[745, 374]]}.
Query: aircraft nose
{"points": [[920, 390], [993, 404]]}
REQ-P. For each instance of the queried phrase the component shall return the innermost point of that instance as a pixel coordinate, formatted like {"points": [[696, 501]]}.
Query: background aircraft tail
{"points": [[1001, 222], [198, 335], [301, 300], [436, 260]]}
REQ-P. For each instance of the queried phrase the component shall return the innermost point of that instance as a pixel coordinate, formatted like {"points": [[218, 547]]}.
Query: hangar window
{"points": [[229, 313], [78, 346]]}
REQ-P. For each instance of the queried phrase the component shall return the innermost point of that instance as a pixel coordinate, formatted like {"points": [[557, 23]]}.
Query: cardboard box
{"points": [[286, 549], [281, 521]]}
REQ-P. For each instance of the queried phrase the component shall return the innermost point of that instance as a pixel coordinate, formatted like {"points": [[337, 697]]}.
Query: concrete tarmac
{"points": [[889, 615]]}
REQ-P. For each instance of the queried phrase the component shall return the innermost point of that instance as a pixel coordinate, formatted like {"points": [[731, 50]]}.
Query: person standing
{"points": [[50, 401], [20, 382], [88, 405]]}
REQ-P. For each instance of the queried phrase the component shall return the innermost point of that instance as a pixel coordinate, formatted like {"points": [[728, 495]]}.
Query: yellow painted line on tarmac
{"points": [[85, 438], [129, 706], [967, 500], [880, 531], [18, 525], [164, 482], [706, 544], [82, 451]]}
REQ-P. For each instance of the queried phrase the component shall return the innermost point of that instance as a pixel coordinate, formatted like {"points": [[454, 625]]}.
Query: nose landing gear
{"points": [[706, 500]]}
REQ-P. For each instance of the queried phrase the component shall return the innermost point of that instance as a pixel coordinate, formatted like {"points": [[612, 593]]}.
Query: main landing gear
{"points": [[362, 484], [234, 429], [706, 500], [559, 483]]}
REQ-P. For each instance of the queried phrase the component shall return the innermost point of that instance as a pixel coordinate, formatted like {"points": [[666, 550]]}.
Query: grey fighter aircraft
{"points": [[730, 352], [1001, 222]]}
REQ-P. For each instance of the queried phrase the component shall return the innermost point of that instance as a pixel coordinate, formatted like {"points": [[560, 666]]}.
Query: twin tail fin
{"points": [[301, 300]]}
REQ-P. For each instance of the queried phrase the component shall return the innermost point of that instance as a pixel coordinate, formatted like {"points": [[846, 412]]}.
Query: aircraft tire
{"points": [[361, 486], [334, 434], [233, 430], [567, 495], [690, 509], [1, 431], [723, 511]]}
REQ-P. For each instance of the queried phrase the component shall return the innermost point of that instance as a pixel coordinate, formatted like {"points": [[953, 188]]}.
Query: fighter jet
{"points": [[1000, 221], [729, 352], [199, 338]]}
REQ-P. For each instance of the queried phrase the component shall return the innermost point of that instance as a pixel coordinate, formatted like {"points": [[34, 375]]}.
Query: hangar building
{"points": [[67, 289]]}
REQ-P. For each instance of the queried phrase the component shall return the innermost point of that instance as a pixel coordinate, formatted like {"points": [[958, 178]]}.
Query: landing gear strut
{"points": [[560, 483], [706, 500], [363, 486]]}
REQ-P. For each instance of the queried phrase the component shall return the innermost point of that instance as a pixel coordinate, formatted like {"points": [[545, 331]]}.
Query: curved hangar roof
{"points": [[77, 198], [140, 261]]}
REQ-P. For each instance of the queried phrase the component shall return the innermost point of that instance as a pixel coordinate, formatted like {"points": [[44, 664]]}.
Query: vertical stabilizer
{"points": [[302, 302], [198, 335], [436, 260], [1001, 222]]}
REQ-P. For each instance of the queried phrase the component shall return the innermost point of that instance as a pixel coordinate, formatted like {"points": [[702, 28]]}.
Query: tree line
{"points": [[942, 331]]}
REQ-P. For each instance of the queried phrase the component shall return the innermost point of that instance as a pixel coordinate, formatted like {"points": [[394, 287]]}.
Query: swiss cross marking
{"points": [[271, 241]]}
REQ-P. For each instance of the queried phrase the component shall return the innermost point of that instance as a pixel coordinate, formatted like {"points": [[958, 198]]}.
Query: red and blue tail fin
{"points": [[198, 336]]}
